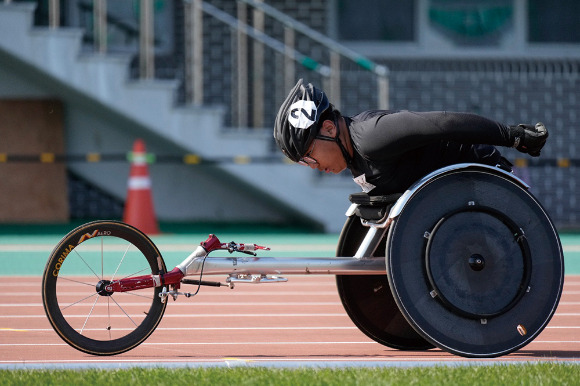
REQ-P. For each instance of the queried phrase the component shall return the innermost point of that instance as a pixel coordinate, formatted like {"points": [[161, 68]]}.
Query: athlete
{"points": [[386, 151]]}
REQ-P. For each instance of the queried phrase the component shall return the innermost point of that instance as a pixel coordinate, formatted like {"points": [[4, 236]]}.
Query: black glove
{"points": [[529, 139]]}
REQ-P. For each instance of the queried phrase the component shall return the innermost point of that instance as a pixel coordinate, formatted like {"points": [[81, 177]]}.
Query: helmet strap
{"points": [[347, 157]]}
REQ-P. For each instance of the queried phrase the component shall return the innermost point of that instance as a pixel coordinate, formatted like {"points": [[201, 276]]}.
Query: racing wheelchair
{"points": [[466, 260]]}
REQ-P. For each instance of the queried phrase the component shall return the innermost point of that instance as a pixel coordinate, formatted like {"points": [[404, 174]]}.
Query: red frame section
{"points": [[172, 278], [146, 281]]}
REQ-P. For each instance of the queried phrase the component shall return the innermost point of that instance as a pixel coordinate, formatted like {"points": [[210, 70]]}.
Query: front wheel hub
{"points": [[102, 288]]}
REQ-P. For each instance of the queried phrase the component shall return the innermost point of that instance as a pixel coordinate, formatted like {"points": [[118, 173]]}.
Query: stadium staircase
{"points": [[103, 79]]}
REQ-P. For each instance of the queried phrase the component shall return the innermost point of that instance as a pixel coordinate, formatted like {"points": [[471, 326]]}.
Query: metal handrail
{"points": [[194, 41], [194, 90], [276, 45], [334, 47], [331, 44]]}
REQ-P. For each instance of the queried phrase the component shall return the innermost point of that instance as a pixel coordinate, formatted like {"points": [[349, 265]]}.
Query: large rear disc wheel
{"points": [[475, 264]]}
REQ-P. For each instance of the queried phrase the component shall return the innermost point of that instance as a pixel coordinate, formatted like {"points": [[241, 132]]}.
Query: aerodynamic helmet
{"points": [[297, 120]]}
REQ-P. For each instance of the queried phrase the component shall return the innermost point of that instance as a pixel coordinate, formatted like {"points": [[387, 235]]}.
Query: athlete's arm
{"points": [[397, 133]]}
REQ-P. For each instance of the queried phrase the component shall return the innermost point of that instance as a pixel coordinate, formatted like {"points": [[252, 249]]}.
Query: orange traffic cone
{"points": [[139, 205]]}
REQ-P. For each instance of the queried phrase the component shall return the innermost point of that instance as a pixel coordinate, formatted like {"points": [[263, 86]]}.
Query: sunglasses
{"points": [[308, 160]]}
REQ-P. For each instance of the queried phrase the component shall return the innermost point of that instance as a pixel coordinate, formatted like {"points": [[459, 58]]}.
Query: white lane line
{"points": [[213, 304], [299, 280], [230, 315], [202, 294], [196, 329], [269, 343], [234, 315], [232, 328], [254, 343], [196, 304]]}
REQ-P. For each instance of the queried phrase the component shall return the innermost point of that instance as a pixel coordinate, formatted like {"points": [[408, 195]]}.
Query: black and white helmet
{"points": [[297, 120]]}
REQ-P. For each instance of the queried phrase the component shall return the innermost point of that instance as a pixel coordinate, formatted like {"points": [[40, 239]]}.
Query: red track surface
{"points": [[298, 321]]}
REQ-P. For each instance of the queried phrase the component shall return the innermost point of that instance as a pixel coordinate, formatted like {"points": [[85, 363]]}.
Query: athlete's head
{"points": [[297, 121]]}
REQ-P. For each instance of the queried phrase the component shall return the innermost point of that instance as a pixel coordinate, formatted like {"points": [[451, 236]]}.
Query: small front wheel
{"points": [[82, 312]]}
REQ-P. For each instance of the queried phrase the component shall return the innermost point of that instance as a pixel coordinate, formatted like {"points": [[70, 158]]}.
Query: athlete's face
{"points": [[327, 153]]}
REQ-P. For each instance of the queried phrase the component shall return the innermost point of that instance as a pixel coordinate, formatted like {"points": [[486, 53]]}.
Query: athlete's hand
{"points": [[528, 138]]}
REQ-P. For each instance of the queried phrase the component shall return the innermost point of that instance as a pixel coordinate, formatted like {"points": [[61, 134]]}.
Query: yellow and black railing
{"points": [[195, 159]]}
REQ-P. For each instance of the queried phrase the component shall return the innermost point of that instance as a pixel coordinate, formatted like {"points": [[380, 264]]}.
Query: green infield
{"points": [[489, 374]]}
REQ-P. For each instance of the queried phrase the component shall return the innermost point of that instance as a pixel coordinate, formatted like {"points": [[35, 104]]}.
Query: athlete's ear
{"points": [[328, 128]]}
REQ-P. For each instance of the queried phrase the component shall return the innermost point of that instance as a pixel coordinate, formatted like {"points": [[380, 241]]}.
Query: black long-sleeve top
{"points": [[395, 149]]}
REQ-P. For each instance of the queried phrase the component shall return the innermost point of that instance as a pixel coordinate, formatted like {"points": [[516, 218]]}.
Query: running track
{"points": [[301, 322]]}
